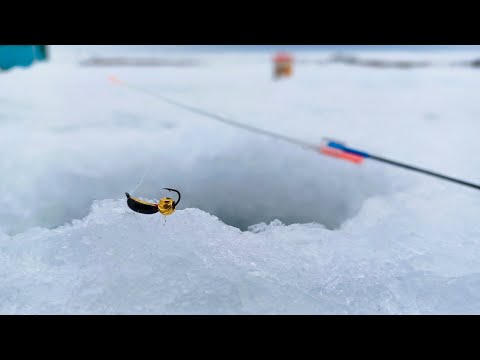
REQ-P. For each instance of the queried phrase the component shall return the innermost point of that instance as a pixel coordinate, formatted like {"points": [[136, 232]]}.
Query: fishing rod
{"points": [[328, 147], [365, 155]]}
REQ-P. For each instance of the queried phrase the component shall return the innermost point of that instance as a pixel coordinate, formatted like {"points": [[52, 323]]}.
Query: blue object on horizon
{"points": [[21, 55]]}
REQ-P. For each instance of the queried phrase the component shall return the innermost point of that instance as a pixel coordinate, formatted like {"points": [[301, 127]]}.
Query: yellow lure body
{"points": [[166, 206]]}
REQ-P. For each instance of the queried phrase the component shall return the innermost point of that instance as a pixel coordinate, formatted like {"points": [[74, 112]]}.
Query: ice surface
{"points": [[390, 259], [323, 236]]}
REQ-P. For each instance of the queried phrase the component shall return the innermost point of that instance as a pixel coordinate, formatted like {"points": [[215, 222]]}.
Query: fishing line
{"points": [[328, 147]]}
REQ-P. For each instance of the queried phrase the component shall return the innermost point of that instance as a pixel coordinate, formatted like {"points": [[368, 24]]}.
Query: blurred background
{"points": [[70, 136], [264, 225]]}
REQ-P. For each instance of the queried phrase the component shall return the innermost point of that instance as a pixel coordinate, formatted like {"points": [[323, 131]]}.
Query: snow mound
{"points": [[294, 233], [117, 262]]}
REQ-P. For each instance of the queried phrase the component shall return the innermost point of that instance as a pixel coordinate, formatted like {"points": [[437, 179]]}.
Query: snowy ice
{"points": [[263, 227]]}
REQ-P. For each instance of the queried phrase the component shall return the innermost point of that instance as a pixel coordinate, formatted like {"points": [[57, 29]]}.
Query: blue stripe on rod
{"points": [[349, 150]]}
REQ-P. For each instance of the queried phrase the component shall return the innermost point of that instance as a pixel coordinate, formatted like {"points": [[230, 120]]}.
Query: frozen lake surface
{"points": [[263, 227]]}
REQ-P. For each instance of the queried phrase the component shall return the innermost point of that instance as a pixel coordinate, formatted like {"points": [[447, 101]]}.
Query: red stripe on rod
{"points": [[341, 155]]}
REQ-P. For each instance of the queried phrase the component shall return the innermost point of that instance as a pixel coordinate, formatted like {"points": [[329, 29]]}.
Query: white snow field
{"points": [[263, 227]]}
